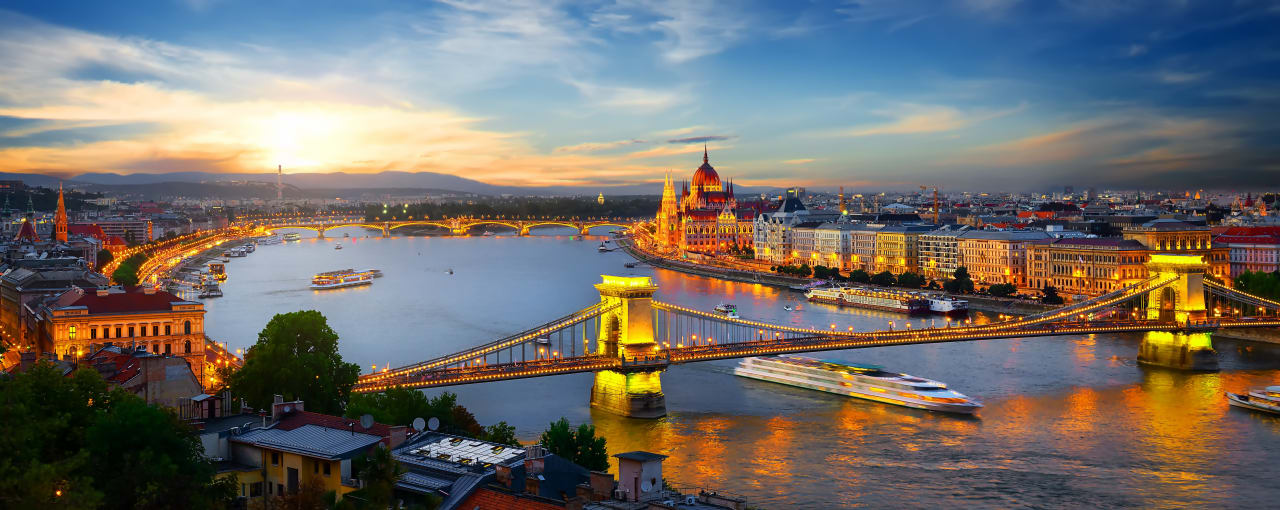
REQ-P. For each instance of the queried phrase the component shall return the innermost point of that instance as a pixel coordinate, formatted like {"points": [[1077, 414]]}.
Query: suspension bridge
{"points": [[627, 338]]}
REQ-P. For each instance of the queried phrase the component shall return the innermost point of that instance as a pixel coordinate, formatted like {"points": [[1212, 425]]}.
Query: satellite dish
{"points": [[287, 409], [419, 424], [366, 421], [645, 486], [433, 423]]}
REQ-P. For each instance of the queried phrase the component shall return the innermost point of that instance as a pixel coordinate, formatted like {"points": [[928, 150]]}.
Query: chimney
{"points": [[102, 292], [149, 289], [601, 485]]}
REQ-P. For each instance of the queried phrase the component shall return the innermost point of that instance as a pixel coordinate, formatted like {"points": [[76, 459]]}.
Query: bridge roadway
{"points": [[458, 226], [764, 347]]}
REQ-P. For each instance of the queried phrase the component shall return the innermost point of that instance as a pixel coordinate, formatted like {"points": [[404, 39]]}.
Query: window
{"points": [[186, 348], [155, 348], [93, 333], [186, 328], [255, 489], [142, 331], [131, 331], [326, 469], [167, 348], [168, 329], [315, 467], [71, 333], [155, 330], [117, 331], [275, 459]]}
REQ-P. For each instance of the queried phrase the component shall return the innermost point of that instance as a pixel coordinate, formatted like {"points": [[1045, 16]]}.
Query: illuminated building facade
{"points": [[1087, 266], [939, 252], [997, 256], [1251, 249], [898, 248], [140, 317], [1179, 237], [707, 218]]}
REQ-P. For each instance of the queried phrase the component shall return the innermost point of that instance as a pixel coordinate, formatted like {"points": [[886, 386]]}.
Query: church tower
{"points": [[668, 220], [60, 219]]}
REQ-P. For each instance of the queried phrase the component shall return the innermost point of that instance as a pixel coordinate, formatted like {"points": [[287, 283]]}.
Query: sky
{"points": [[986, 95]]}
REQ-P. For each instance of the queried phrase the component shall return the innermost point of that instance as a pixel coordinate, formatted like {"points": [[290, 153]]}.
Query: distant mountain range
{"points": [[388, 182]]}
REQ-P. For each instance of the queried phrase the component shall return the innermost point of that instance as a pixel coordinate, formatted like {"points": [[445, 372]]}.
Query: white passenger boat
{"points": [[337, 246], [1266, 399], [861, 381], [292, 236], [728, 309], [873, 298], [341, 278], [271, 239], [947, 305]]}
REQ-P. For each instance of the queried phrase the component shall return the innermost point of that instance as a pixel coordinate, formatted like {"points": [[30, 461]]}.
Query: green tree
{"points": [[379, 472], [1051, 296], [580, 446], [141, 456], [1259, 283], [127, 272], [501, 433], [859, 276], [884, 279], [960, 282], [1002, 290], [104, 257], [296, 356], [910, 280]]}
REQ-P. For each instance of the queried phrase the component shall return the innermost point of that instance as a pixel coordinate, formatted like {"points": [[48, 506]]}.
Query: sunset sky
{"points": [[972, 94]]}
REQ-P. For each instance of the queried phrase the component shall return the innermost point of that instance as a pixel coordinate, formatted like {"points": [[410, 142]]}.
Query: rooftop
{"points": [[310, 441], [640, 456], [130, 300]]}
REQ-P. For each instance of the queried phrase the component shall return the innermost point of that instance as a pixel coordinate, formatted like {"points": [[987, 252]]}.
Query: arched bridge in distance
{"points": [[456, 226], [627, 338]]}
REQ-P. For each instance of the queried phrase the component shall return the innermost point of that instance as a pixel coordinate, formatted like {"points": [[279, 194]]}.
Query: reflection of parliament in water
{"points": [[636, 337]]}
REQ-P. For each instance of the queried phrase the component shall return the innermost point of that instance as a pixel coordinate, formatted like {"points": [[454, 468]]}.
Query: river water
{"points": [[1068, 422]]}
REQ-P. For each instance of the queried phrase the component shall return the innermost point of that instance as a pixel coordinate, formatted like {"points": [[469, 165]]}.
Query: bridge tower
{"points": [[1181, 301], [627, 332]]}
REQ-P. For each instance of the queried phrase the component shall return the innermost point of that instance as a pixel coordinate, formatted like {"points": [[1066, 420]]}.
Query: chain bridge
{"points": [[628, 339]]}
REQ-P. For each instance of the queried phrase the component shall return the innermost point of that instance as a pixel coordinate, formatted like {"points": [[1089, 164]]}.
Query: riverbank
{"points": [[981, 303], [1266, 336]]}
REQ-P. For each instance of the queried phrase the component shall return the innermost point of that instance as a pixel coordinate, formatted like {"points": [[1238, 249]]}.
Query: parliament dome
{"points": [[706, 176]]}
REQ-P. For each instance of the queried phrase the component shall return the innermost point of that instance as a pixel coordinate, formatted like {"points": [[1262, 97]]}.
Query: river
{"points": [[1068, 422]]}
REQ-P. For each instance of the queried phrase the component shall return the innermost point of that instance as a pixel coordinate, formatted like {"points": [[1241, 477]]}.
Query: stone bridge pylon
{"points": [[1181, 301], [627, 332]]}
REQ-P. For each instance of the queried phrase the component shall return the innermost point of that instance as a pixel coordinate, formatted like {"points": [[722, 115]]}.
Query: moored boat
{"points": [[292, 236], [947, 305], [1266, 400], [875, 299], [869, 382], [728, 309]]}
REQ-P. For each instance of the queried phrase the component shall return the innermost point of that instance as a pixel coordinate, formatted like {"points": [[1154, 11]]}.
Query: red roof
{"points": [[92, 230], [116, 241], [132, 300], [297, 419], [1255, 239]]}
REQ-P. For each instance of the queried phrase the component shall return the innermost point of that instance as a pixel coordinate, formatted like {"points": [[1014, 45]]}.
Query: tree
{"points": [[1002, 290], [960, 282], [104, 257], [580, 446], [859, 276], [379, 471], [1259, 283], [141, 456], [884, 279], [296, 356], [910, 280], [127, 272], [1051, 296], [501, 433]]}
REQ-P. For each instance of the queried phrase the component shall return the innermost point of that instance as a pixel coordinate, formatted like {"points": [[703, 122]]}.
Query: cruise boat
{"points": [[218, 270], [869, 382], [602, 248], [251, 247], [337, 246], [341, 278], [376, 273], [210, 290], [237, 252], [1266, 399], [728, 309], [875, 299], [271, 239], [948, 305], [292, 236]]}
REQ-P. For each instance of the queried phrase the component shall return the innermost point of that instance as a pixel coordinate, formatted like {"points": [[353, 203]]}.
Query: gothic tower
{"points": [[60, 219]]}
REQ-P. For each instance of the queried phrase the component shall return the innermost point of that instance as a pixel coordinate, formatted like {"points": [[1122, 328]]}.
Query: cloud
{"points": [[631, 99], [912, 119], [801, 161], [1136, 50], [1176, 77], [700, 139], [691, 29], [598, 146]]}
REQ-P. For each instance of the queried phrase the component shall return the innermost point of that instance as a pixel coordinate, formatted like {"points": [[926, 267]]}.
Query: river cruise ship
{"points": [[875, 299], [1266, 399], [948, 305], [342, 278], [292, 236], [861, 381]]}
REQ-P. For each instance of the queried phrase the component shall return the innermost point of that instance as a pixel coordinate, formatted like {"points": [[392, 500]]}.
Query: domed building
{"points": [[706, 217]]}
